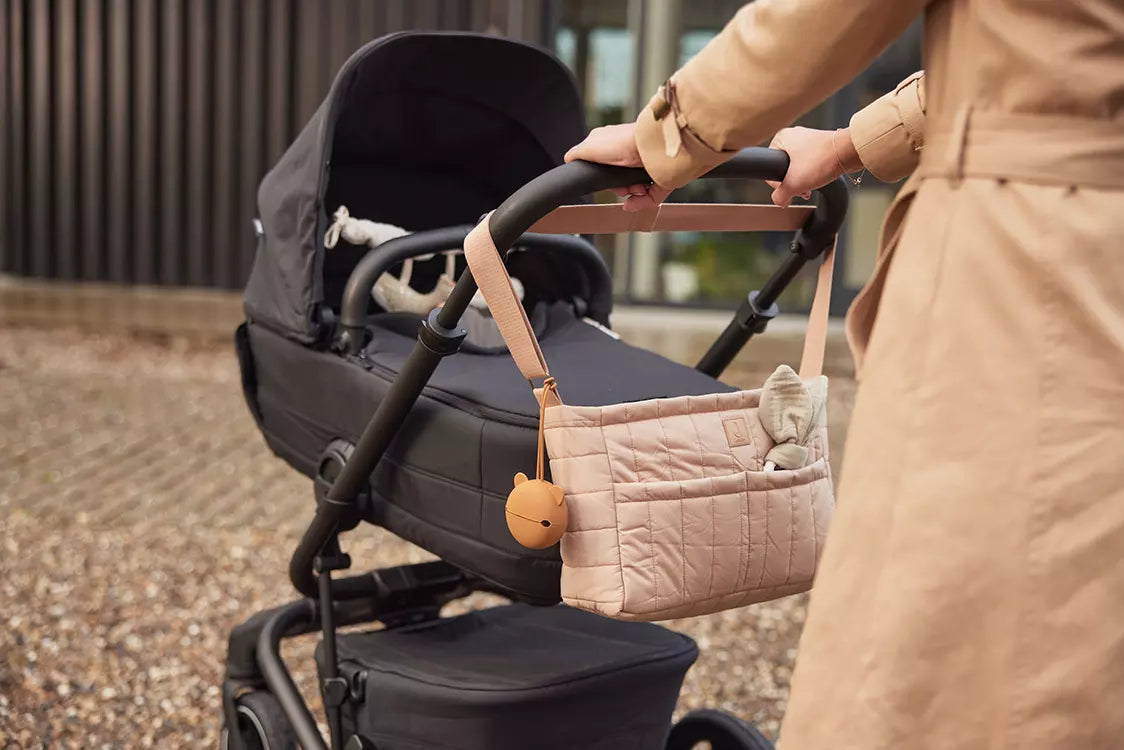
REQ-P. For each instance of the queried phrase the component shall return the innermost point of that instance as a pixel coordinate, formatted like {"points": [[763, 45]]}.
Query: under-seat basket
{"points": [[514, 676]]}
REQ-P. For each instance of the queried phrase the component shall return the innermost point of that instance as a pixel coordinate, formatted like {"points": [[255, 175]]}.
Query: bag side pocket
{"points": [[701, 545]]}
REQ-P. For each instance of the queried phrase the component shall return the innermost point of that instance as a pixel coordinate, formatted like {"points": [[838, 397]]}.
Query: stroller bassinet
{"points": [[429, 131], [415, 137]]}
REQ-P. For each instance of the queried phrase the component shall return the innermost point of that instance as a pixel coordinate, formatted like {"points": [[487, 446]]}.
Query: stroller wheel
{"points": [[721, 730], [262, 724]]}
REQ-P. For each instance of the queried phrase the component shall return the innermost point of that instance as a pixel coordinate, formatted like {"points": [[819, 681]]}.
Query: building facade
{"points": [[133, 133]]}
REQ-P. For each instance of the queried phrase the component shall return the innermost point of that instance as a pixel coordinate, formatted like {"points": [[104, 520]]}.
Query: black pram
{"points": [[428, 131]]}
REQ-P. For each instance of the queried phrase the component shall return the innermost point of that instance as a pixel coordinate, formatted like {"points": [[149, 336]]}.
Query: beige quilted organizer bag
{"points": [[673, 507]]}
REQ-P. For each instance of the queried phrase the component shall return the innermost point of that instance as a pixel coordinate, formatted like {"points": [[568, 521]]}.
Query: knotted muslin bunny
{"points": [[789, 411], [359, 231], [392, 293]]}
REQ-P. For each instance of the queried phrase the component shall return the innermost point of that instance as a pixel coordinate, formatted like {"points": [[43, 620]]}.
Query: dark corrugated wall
{"points": [[133, 133]]}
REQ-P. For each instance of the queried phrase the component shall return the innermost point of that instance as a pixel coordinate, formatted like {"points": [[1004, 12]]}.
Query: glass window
{"points": [[598, 40]]}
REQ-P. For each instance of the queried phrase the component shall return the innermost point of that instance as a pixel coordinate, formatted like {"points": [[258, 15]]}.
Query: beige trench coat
{"points": [[971, 594]]}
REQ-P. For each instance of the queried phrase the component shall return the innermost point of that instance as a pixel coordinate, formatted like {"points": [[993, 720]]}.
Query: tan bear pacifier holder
{"points": [[672, 507], [536, 509]]}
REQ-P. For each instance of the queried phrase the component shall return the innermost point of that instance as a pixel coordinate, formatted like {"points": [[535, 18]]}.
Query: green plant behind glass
{"points": [[731, 264]]}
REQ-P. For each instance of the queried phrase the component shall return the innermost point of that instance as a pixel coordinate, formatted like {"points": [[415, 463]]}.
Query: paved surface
{"points": [[141, 517]]}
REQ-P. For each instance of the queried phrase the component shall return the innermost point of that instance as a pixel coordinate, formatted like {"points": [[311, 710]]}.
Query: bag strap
{"points": [[511, 318], [815, 337]]}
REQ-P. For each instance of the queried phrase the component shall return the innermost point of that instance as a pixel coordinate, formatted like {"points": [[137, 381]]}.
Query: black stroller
{"points": [[429, 131]]}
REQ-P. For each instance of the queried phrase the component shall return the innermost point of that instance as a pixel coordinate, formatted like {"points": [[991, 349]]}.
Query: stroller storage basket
{"points": [[514, 677]]}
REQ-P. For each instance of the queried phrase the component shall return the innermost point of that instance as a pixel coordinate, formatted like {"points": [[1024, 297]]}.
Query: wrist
{"points": [[846, 154]]}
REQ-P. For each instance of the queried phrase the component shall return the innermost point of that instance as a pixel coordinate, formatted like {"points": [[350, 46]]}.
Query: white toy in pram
{"points": [[394, 293]]}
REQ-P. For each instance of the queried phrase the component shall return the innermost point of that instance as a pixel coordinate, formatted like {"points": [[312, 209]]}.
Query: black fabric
{"points": [[441, 484], [483, 337], [516, 677], [247, 371], [422, 130], [592, 369], [445, 478]]}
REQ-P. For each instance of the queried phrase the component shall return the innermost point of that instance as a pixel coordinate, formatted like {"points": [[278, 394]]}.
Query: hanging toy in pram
{"points": [[392, 293], [395, 293]]}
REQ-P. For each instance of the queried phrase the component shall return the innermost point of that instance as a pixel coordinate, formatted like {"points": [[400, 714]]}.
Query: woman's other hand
{"points": [[816, 157], [616, 145]]}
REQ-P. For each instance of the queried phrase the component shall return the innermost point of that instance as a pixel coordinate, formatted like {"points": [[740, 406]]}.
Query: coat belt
{"points": [[1052, 149]]}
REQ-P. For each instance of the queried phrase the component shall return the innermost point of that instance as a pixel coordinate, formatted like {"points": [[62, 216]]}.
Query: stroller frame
{"points": [[416, 593]]}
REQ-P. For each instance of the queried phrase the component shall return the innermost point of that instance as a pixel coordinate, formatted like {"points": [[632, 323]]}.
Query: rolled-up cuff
{"points": [[692, 157], [889, 133]]}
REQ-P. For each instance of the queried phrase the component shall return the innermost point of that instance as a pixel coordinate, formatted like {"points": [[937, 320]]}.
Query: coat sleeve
{"points": [[775, 60], [889, 133]]}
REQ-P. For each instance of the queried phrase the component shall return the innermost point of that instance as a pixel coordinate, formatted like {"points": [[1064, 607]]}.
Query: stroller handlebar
{"points": [[569, 182], [564, 184]]}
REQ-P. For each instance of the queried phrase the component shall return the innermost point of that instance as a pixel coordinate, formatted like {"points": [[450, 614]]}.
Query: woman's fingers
{"points": [[616, 145], [610, 144], [782, 197], [653, 196], [634, 203], [624, 192], [811, 163]]}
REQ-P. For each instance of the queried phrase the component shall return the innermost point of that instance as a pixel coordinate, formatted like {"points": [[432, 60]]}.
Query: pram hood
{"points": [[419, 129]]}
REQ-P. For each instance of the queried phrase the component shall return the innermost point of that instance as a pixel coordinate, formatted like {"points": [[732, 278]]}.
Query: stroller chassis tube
{"points": [[393, 596], [277, 677], [440, 335]]}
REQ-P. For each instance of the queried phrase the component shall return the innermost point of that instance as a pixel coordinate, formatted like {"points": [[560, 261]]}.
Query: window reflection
{"points": [[601, 42]]}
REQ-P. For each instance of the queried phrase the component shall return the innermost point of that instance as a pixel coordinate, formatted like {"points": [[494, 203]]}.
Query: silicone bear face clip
{"points": [[536, 512], [536, 509]]}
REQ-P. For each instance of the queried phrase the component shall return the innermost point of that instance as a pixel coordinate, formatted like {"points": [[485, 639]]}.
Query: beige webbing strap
{"points": [[815, 338], [491, 276], [507, 310]]}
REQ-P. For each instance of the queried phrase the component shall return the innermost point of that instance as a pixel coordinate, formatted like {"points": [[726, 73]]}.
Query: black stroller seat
{"points": [[516, 676]]}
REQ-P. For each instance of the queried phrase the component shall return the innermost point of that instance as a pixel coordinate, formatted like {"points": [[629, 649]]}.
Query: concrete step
{"points": [[681, 334]]}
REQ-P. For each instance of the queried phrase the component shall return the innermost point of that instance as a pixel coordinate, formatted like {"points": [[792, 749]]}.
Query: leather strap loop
{"points": [[609, 218]]}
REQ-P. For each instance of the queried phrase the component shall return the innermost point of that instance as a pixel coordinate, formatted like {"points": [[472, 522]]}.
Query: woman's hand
{"points": [[616, 145], [816, 157]]}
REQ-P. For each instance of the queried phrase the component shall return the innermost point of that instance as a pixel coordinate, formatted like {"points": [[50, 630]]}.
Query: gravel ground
{"points": [[141, 517]]}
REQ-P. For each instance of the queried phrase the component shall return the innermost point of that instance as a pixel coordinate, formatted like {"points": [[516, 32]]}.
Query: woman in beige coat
{"points": [[971, 594]]}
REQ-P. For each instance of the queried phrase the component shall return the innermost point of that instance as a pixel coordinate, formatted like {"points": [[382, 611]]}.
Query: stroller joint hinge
{"points": [[328, 563], [751, 317], [333, 691], [437, 338]]}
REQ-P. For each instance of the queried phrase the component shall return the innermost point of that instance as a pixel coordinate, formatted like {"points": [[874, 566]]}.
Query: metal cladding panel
{"points": [[133, 133]]}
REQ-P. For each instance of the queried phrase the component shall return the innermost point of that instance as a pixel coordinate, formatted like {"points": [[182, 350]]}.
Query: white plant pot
{"points": [[680, 281]]}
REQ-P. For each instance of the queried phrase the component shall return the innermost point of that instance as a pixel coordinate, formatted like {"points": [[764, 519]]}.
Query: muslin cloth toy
{"points": [[392, 293], [789, 411]]}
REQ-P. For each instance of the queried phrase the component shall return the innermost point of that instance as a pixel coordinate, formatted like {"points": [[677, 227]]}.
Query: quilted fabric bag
{"points": [[674, 507]]}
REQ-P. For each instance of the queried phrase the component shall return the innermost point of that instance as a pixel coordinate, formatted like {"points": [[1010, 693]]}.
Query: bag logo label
{"points": [[737, 432]]}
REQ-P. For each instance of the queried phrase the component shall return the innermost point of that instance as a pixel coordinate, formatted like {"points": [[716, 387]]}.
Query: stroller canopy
{"points": [[421, 130]]}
